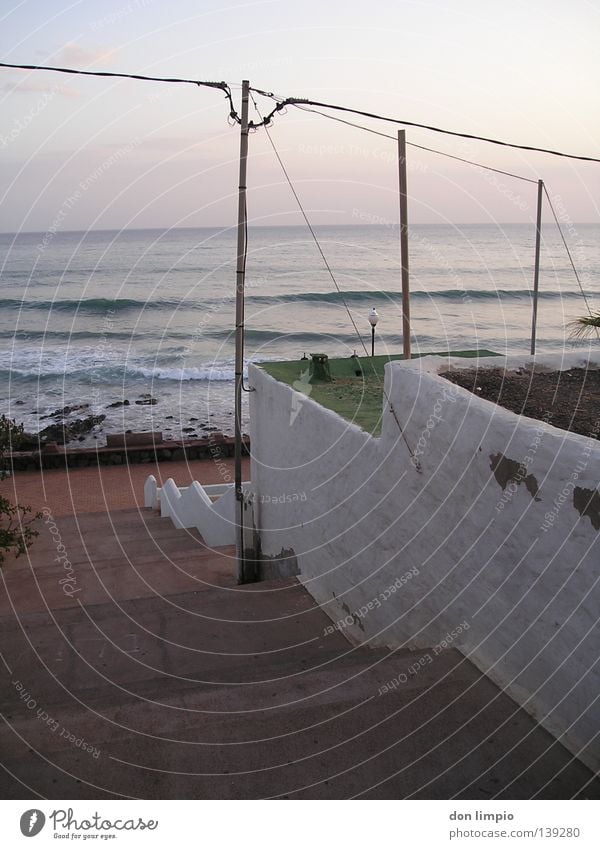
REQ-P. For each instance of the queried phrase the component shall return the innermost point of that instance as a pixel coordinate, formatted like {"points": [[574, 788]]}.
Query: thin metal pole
{"points": [[536, 272], [372, 340], [239, 329], [404, 243]]}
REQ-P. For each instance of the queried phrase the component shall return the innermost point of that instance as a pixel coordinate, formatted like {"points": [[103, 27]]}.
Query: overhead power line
{"points": [[419, 146], [294, 101], [310, 227], [304, 101], [416, 462], [222, 86], [468, 162], [569, 254]]}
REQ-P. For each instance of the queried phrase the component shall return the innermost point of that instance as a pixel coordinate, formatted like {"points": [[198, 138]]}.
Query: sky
{"points": [[80, 153]]}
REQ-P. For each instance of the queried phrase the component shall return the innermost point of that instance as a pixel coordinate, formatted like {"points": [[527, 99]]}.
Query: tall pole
{"points": [[404, 242], [372, 340], [239, 329], [536, 272]]}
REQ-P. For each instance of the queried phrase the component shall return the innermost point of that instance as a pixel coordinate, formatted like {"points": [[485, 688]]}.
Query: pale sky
{"points": [[79, 152]]}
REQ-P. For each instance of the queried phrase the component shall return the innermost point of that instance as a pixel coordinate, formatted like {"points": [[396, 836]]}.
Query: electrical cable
{"points": [[478, 165], [564, 241], [304, 101], [311, 229], [305, 104], [294, 101], [419, 146], [415, 461], [222, 86]]}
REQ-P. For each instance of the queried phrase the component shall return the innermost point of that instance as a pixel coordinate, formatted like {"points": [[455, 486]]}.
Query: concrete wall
{"points": [[463, 529]]}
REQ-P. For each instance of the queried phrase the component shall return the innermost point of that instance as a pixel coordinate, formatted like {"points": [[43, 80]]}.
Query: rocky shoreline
{"points": [[79, 435], [124, 449], [89, 425]]}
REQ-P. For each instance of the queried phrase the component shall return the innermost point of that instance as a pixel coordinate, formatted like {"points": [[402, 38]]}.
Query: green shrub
{"points": [[16, 532]]}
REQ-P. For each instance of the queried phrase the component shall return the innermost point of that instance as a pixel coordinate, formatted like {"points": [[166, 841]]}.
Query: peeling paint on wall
{"points": [[355, 618], [587, 502], [506, 470], [275, 566]]}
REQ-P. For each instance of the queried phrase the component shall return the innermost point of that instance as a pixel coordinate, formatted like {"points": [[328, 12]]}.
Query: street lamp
{"points": [[373, 319]]}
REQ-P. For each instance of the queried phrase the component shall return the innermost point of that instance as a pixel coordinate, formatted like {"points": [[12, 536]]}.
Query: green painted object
{"points": [[319, 369]]}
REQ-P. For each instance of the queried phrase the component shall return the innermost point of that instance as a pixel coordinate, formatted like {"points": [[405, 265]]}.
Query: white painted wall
{"points": [[408, 555]]}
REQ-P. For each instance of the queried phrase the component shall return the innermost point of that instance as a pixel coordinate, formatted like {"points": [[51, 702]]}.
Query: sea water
{"points": [[100, 316]]}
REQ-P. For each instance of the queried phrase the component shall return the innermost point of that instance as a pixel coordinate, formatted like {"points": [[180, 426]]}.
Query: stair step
{"points": [[162, 678], [326, 733]]}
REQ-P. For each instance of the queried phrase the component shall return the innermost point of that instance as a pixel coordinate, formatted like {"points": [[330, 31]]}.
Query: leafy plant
{"points": [[586, 325], [16, 533]]}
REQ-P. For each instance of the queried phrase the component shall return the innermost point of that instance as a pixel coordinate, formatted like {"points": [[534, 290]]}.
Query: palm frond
{"points": [[585, 325]]}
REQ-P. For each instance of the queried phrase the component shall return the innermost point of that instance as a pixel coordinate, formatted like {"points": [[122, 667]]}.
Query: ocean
{"points": [[98, 317]]}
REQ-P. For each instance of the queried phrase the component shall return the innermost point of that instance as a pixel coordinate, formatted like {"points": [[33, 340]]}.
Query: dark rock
{"points": [[146, 402], [85, 425], [124, 403], [63, 433], [193, 419], [66, 411], [18, 403], [169, 417], [54, 433], [187, 429]]}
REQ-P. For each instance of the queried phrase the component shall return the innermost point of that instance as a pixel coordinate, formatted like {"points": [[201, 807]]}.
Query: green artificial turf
{"points": [[357, 397]]}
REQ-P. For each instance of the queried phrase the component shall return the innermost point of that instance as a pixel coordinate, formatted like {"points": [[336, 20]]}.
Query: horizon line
{"points": [[225, 227]]}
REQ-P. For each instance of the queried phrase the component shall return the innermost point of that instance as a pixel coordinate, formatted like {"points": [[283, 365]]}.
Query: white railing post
{"points": [[151, 492]]}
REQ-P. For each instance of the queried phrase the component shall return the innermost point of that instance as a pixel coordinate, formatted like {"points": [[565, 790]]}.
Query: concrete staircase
{"points": [[210, 510], [157, 676]]}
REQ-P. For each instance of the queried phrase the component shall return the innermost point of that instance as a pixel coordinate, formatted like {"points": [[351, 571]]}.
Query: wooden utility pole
{"points": [[536, 270], [404, 243], [239, 330]]}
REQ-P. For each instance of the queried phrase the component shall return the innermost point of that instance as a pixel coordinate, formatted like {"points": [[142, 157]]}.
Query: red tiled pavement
{"points": [[67, 492]]}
